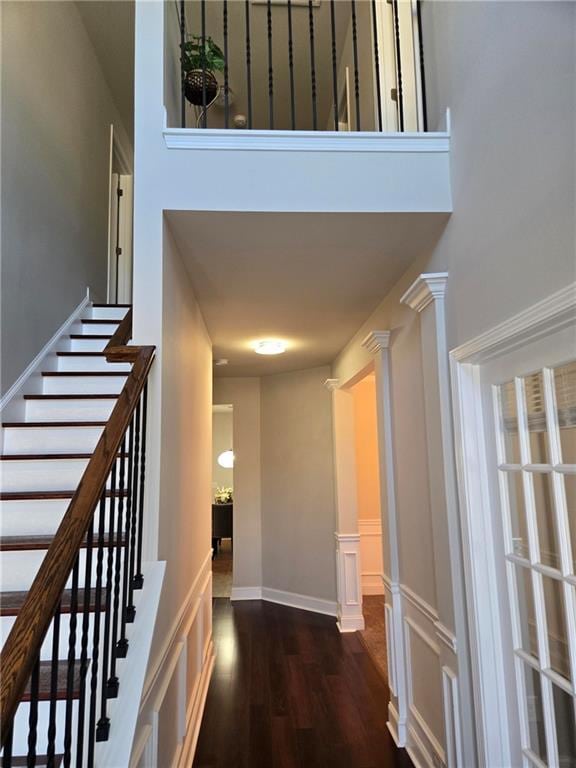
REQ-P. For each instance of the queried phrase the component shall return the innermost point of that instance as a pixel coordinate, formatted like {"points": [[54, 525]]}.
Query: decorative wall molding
{"points": [[371, 556], [47, 349], [370, 527], [551, 314], [305, 141], [376, 340], [430, 613], [452, 724], [332, 384], [446, 636], [350, 616], [425, 289], [303, 602]]}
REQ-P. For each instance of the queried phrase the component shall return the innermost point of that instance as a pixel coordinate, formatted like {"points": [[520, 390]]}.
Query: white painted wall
{"points": [[222, 440], [244, 395], [298, 513], [56, 116]]}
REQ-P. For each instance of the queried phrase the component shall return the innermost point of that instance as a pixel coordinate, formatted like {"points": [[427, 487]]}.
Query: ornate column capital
{"points": [[377, 340], [427, 288]]}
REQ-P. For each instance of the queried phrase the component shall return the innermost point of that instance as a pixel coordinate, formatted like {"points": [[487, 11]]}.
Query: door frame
{"points": [[488, 662], [119, 173]]}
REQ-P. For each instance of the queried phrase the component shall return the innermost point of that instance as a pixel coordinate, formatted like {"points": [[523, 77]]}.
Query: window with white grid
{"points": [[536, 444]]}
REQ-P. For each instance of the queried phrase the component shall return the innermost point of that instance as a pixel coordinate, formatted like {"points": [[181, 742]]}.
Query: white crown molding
{"points": [[304, 141], [332, 384], [425, 289], [376, 340], [551, 314]]}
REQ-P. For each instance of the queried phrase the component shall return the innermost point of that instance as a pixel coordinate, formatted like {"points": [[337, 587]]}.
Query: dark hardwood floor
{"points": [[289, 690]]}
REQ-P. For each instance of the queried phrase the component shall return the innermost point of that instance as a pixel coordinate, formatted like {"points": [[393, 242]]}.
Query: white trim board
{"points": [[289, 599], [49, 347]]}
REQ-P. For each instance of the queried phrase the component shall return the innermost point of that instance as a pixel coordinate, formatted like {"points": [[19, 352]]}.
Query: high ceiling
{"points": [[309, 279], [110, 27]]}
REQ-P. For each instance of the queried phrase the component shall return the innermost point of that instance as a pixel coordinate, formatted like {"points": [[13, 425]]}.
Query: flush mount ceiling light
{"points": [[226, 459], [270, 347]]}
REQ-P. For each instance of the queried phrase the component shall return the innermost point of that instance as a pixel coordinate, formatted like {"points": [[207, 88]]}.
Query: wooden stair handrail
{"points": [[24, 642]]}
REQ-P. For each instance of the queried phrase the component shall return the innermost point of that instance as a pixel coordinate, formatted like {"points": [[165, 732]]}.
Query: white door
{"points": [[120, 245], [529, 409]]}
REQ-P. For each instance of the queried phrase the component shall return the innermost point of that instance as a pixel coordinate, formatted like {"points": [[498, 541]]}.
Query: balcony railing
{"points": [[320, 65]]}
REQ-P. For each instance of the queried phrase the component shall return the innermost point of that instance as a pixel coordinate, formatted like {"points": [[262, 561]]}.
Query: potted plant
{"points": [[201, 58], [223, 495]]}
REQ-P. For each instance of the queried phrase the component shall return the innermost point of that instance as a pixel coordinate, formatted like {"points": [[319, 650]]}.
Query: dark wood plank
{"points": [[12, 602], [38, 541], [289, 691]]}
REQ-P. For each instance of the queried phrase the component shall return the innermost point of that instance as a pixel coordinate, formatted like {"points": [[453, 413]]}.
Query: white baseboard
{"points": [[49, 347], [350, 623], [304, 602], [246, 593]]}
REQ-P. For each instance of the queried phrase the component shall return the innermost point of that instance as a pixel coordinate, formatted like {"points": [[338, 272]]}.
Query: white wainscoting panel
{"points": [[177, 683], [371, 556], [350, 616]]}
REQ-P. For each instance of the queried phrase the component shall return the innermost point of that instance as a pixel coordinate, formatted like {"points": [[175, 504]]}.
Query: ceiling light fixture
{"points": [[270, 347], [226, 459]]}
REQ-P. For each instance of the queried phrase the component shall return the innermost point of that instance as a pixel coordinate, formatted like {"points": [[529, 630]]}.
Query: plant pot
{"points": [[194, 87]]}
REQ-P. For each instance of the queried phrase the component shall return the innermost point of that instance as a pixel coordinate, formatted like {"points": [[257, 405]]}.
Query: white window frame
{"points": [[492, 694]]}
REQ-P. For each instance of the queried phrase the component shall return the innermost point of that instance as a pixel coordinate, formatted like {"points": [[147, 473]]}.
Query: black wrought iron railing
{"points": [[72, 626], [337, 65]]}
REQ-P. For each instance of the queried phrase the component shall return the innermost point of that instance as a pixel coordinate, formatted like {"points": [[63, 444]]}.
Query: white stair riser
{"points": [[69, 410], [98, 329], [87, 345], [108, 313], [82, 385], [38, 517], [19, 569], [51, 439], [90, 363], [41, 475], [7, 622]]}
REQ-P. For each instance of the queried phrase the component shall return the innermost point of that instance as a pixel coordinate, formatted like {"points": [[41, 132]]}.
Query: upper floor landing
{"points": [[287, 105]]}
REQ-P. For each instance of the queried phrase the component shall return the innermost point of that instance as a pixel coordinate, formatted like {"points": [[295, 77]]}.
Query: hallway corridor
{"points": [[289, 691]]}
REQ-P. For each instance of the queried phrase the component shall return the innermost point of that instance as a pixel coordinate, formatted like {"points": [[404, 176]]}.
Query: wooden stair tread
{"points": [[77, 396], [92, 337], [45, 681], [12, 602], [99, 321], [57, 424], [50, 456], [41, 495], [56, 374], [82, 354], [43, 541], [21, 761], [117, 306]]}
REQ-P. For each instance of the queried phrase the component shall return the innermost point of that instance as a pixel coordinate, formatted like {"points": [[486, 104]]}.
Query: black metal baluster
{"points": [[422, 69], [71, 665], [204, 98], [377, 64], [51, 750], [226, 82], [7, 753], [122, 645], [33, 717], [356, 70], [270, 67], [182, 73], [103, 727], [93, 733], [248, 62], [113, 682], [291, 67], [84, 643], [131, 609], [399, 94], [312, 65], [334, 63], [139, 577]]}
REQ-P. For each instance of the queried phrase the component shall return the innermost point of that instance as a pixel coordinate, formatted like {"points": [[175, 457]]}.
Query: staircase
{"points": [[57, 475]]}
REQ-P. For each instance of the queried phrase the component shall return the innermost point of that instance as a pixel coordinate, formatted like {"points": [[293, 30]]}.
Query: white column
{"points": [[378, 343], [348, 571], [426, 296]]}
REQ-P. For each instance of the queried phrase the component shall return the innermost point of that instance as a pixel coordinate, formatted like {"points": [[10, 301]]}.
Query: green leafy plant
{"points": [[202, 53]]}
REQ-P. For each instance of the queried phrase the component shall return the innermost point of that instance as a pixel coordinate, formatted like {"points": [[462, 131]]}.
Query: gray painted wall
{"points": [[298, 513], [56, 116]]}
